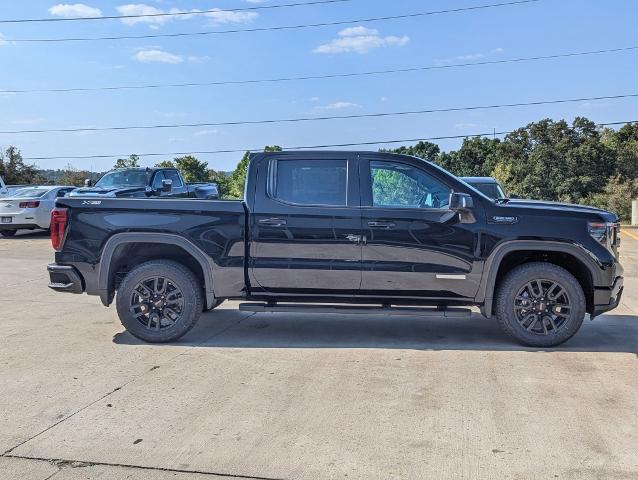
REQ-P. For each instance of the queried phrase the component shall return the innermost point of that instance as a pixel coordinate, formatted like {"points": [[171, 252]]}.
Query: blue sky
{"points": [[543, 28]]}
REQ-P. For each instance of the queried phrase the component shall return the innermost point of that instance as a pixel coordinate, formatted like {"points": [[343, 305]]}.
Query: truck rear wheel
{"points": [[540, 304], [159, 301]]}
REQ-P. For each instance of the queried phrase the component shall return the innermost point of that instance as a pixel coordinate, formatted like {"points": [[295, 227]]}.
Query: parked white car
{"points": [[29, 208]]}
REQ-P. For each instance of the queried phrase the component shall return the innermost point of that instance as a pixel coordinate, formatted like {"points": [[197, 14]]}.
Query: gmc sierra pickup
{"points": [[146, 182], [391, 233]]}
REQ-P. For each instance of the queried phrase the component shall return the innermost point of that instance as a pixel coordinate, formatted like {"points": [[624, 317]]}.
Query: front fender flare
{"points": [[485, 294]]}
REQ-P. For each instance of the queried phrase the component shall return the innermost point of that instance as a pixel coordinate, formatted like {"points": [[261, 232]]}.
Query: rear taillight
{"points": [[58, 227], [32, 204]]}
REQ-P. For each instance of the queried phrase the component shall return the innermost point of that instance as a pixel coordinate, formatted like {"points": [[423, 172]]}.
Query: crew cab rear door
{"points": [[414, 245], [306, 225]]}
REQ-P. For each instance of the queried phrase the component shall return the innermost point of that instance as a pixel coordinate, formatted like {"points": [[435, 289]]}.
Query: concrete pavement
{"points": [[289, 396]]}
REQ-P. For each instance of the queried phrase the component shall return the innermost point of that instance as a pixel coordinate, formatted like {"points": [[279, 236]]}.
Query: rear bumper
{"points": [[606, 299], [65, 278]]}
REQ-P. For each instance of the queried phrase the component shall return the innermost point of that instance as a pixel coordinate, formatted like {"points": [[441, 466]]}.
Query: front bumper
{"points": [[65, 278], [606, 299]]}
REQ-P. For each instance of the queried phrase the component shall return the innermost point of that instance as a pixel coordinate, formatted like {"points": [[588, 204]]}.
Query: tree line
{"points": [[545, 160]]}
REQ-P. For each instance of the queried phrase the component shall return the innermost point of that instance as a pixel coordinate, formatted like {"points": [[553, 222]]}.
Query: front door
{"points": [[414, 245], [306, 226]]}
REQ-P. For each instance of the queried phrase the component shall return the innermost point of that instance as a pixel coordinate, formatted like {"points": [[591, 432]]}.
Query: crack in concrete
{"points": [[137, 377], [65, 463]]}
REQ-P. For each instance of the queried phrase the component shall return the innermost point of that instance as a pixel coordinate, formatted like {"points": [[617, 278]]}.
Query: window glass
{"points": [[174, 176], [492, 190], [125, 178], [311, 182], [404, 186], [157, 180], [31, 193]]}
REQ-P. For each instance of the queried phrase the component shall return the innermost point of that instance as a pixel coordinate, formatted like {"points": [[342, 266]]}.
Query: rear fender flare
{"points": [[104, 270]]}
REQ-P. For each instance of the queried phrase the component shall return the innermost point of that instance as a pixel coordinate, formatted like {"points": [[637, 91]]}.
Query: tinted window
{"points": [[157, 180], [311, 182], [174, 176], [492, 190], [401, 185], [125, 178], [30, 193]]}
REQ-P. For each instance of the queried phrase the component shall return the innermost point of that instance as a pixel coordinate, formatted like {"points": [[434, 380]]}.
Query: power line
{"points": [[314, 119], [172, 14], [264, 29], [306, 147], [320, 77]]}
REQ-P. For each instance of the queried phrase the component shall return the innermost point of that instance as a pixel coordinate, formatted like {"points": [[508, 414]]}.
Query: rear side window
{"points": [[174, 176], [310, 182]]}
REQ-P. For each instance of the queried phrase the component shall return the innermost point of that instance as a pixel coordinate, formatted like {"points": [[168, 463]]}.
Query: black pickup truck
{"points": [[381, 233], [146, 182]]}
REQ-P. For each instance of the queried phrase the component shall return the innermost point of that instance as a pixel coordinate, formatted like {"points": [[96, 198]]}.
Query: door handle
{"points": [[386, 225], [272, 222]]}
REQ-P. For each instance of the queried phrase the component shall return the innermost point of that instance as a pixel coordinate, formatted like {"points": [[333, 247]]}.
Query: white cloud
{"points": [[470, 57], [157, 56], [203, 133], [337, 106], [224, 16], [216, 16], [384, 99], [141, 9], [80, 10], [360, 40], [3, 42], [464, 125], [358, 30]]}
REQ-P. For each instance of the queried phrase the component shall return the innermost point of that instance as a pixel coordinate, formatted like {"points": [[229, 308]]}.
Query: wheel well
{"points": [[127, 256], [569, 262]]}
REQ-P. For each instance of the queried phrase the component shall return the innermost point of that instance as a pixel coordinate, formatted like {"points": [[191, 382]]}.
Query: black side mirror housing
{"points": [[167, 185], [88, 182], [461, 201], [463, 204]]}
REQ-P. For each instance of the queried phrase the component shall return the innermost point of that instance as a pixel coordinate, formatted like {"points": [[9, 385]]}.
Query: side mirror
{"points": [[167, 185], [88, 182], [461, 202]]}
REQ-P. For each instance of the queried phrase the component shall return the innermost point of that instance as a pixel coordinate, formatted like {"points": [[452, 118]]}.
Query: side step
{"points": [[448, 312]]}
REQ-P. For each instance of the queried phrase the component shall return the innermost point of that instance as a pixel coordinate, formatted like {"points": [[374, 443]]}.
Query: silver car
{"points": [[29, 208]]}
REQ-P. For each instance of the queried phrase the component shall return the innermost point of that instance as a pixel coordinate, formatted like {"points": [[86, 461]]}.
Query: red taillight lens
{"points": [[32, 204], [58, 227]]}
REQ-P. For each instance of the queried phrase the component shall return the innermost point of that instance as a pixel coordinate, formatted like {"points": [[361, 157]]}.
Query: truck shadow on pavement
{"points": [[228, 328]]}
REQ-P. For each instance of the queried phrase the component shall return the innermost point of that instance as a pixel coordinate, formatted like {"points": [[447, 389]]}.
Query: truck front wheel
{"points": [[540, 304], [159, 301]]}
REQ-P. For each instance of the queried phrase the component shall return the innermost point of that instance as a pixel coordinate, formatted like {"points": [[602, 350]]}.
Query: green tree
{"points": [[238, 177], [165, 164], [554, 161], [13, 169], [426, 150], [477, 157], [130, 162], [192, 169], [72, 176], [222, 180]]}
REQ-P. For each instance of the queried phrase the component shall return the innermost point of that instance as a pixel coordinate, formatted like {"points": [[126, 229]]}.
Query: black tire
{"points": [[543, 315], [8, 233], [155, 317]]}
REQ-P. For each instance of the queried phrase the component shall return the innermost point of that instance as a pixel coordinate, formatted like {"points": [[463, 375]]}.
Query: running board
{"points": [[449, 312]]}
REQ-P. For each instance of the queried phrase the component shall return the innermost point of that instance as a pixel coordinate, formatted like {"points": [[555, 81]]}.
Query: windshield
{"points": [[125, 178], [30, 192]]}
